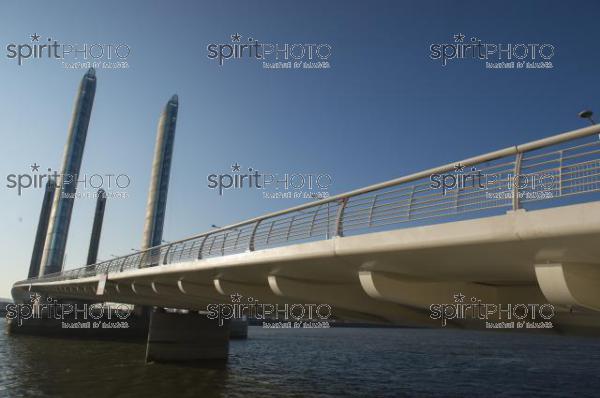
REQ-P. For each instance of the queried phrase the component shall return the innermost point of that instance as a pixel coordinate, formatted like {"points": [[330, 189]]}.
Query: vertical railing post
{"points": [[289, 231], [516, 181], [457, 199], [212, 243], [371, 210], [201, 247], [224, 241], [251, 246], [166, 254], [237, 238], [328, 219], [312, 223], [123, 264], [339, 222], [410, 202], [108, 263], [560, 167], [181, 251], [114, 265], [269, 233]]}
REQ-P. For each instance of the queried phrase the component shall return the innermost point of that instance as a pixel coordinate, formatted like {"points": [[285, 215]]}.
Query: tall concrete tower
{"points": [[97, 227], [62, 206], [159, 180], [42, 230]]}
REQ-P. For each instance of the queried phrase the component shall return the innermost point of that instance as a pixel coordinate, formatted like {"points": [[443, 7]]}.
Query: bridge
{"points": [[517, 225]]}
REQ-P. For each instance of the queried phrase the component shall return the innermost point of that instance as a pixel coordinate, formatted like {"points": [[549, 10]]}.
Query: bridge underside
{"points": [[536, 257]]}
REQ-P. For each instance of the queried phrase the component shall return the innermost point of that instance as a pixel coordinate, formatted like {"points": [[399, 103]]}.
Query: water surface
{"points": [[337, 362]]}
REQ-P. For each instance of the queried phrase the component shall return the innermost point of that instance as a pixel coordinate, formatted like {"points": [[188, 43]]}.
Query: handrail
{"points": [[348, 209]]}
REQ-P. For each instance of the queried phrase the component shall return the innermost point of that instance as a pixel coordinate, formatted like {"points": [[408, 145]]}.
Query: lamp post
{"points": [[587, 114]]}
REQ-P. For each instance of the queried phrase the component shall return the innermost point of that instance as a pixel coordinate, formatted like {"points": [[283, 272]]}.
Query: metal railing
{"points": [[548, 171]]}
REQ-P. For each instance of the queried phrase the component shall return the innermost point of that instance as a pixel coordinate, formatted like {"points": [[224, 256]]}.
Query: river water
{"points": [[337, 362]]}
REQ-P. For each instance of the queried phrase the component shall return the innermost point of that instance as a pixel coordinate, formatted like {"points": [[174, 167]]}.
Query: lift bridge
{"points": [[387, 252]]}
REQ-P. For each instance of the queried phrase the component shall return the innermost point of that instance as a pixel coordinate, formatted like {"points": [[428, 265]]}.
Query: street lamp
{"points": [[587, 114]]}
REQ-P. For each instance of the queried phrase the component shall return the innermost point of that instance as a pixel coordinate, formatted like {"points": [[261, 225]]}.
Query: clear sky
{"points": [[383, 109]]}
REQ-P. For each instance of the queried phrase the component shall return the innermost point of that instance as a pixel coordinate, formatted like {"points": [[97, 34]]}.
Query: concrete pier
{"points": [[190, 338], [238, 329]]}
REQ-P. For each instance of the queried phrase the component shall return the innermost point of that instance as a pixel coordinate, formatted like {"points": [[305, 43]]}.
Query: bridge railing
{"points": [[549, 172]]}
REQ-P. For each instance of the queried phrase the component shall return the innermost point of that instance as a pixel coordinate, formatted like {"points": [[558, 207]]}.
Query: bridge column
{"points": [[191, 337], [238, 329]]}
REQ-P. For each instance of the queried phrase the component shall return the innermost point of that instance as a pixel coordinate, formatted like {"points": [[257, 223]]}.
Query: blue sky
{"points": [[383, 109]]}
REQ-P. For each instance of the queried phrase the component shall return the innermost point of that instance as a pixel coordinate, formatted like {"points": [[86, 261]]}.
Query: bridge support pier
{"points": [[190, 338], [238, 329]]}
